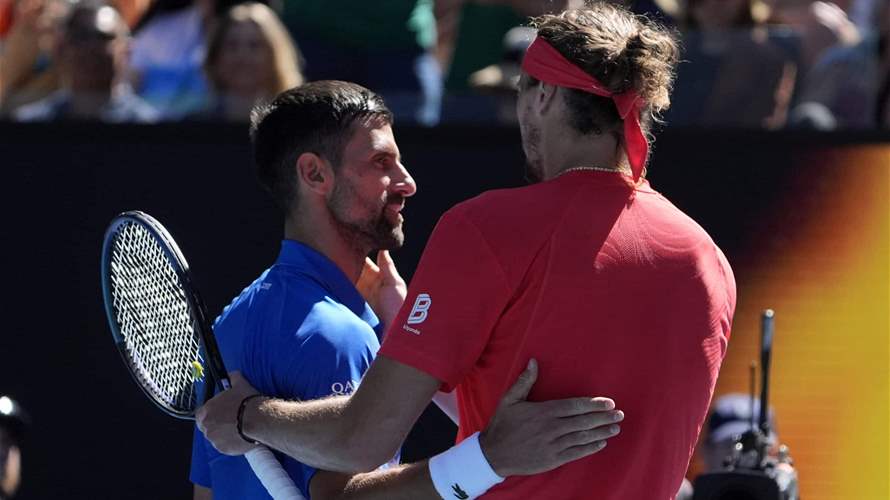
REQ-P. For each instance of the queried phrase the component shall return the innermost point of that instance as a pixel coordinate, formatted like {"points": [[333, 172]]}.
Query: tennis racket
{"points": [[159, 325]]}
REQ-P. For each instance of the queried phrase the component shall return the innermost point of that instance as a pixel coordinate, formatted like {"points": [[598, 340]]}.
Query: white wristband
{"points": [[462, 472]]}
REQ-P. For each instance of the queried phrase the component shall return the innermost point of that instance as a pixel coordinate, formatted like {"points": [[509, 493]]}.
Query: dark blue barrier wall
{"points": [[94, 434]]}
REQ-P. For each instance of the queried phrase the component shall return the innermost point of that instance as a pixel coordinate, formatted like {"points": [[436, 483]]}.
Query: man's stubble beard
{"points": [[375, 232], [534, 170]]}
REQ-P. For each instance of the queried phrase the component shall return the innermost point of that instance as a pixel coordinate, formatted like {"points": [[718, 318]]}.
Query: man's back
{"points": [[614, 291]]}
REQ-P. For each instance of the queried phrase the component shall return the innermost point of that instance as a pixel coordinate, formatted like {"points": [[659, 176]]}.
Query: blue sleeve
{"points": [[200, 471], [327, 366], [326, 357]]}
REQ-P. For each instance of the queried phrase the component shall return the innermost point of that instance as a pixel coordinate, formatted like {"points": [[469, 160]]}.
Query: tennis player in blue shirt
{"points": [[300, 331], [311, 324]]}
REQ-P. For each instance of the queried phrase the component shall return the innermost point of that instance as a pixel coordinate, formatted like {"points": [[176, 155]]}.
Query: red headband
{"points": [[545, 63]]}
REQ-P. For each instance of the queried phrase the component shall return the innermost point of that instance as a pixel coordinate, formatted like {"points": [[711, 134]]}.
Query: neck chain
{"points": [[598, 169]]}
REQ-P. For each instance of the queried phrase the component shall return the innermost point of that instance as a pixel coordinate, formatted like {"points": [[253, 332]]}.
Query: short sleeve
{"points": [[326, 357], [455, 299], [200, 470], [329, 361]]}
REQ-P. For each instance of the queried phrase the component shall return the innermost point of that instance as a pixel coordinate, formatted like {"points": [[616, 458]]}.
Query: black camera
{"points": [[751, 472]]}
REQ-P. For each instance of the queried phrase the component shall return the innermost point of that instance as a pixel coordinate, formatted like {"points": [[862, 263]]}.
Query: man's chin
{"points": [[390, 238], [394, 241]]}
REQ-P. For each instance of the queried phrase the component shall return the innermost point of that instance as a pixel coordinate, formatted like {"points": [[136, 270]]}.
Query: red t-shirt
{"points": [[612, 289]]}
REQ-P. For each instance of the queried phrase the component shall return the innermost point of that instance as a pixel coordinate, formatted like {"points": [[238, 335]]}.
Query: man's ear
{"points": [[314, 173], [545, 95]]}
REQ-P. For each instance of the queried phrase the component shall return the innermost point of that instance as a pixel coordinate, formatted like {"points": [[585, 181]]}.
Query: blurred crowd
{"points": [[769, 64]]}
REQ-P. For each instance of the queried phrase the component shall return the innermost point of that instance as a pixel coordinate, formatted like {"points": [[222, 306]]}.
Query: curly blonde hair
{"points": [[621, 50]]}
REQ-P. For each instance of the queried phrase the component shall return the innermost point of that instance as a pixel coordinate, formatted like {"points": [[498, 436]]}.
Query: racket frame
{"points": [[263, 463], [198, 311]]}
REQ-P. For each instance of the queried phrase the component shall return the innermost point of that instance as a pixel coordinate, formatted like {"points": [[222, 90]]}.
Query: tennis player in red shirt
{"points": [[593, 273]]}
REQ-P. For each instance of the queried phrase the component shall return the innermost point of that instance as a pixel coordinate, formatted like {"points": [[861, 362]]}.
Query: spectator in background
{"points": [[13, 424], [837, 68], [91, 54], [472, 38], [865, 15], [841, 89], [251, 58], [168, 51], [735, 75], [27, 72], [480, 44], [500, 81], [819, 25], [385, 46], [663, 11], [471, 32]]}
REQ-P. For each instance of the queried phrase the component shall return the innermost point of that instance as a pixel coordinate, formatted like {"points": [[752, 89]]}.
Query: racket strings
{"points": [[153, 313]]}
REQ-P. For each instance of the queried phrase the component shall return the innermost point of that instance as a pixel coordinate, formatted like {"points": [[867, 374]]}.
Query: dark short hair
{"points": [[313, 118]]}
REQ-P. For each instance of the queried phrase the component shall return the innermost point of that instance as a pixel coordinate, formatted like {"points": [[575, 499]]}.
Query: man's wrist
{"points": [[463, 471], [486, 452], [248, 413]]}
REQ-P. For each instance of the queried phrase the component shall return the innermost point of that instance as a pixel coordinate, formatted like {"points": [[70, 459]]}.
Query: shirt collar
{"points": [[317, 266]]}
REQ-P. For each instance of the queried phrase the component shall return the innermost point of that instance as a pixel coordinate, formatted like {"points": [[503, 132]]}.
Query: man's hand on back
{"points": [[525, 438]]}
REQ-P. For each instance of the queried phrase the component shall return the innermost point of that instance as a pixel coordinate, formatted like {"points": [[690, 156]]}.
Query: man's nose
{"points": [[404, 183]]}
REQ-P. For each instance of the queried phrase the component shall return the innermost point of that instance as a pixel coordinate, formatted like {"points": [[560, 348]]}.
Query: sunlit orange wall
{"points": [[827, 275]]}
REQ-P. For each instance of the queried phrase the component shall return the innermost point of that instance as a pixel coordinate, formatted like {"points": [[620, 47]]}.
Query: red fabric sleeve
{"points": [[454, 302]]}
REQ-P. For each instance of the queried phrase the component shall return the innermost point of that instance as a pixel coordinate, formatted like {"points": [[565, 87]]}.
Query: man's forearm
{"points": [[348, 434], [403, 482], [318, 433], [359, 432]]}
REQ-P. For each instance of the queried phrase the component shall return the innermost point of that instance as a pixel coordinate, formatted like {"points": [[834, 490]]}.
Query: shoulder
{"points": [[509, 212], [289, 306], [662, 213], [502, 202], [684, 239], [288, 330], [501, 229], [274, 289], [243, 299], [528, 209], [330, 323], [273, 302]]}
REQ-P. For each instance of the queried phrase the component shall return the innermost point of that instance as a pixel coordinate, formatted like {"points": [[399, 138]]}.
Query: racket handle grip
{"points": [[270, 472]]}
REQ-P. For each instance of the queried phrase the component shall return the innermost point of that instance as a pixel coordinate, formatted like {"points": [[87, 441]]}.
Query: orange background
{"points": [[823, 264]]}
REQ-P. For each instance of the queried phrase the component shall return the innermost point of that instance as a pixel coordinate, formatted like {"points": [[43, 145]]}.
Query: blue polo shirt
{"points": [[300, 331]]}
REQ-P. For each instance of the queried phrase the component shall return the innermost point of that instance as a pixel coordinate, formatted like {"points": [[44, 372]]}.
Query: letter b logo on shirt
{"points": [[420, 310]]}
